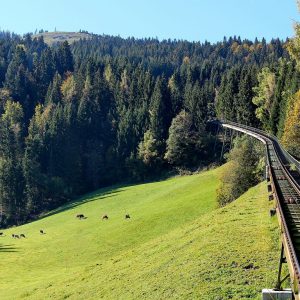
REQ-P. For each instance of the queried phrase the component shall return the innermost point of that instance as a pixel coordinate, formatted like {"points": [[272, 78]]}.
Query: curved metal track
{"points": [[285, 190]]}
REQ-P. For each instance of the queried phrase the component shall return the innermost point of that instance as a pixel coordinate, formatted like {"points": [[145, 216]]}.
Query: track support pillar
{"points": [[282, 261]]}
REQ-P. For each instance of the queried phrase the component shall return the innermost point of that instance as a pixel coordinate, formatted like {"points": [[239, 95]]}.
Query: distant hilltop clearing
{"points": [[59, 36]]}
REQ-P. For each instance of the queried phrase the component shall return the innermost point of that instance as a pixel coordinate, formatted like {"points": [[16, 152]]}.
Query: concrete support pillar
{"points": [[270, 294]]}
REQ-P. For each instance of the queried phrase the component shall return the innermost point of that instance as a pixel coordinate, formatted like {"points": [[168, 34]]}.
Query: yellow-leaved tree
{"points": [[291, 135], [294, 43]]}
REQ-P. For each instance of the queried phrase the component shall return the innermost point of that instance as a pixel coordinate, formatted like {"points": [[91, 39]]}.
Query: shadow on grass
{"points": [[7, 248], [96, 195], [103, 193]]}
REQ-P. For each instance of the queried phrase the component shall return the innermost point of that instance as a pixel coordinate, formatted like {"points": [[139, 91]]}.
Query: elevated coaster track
{"points": [[284, 188]]}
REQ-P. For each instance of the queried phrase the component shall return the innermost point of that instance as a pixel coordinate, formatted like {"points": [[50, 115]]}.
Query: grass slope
{"points": [[176, 245], [60, 36]]}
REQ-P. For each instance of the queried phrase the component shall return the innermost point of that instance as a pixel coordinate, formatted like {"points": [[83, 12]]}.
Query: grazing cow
{"points": [[42, 231], [105, 217], [22, 235], [127, 216], [272, 212], [13, 236], [1, 233], [80, 216]]}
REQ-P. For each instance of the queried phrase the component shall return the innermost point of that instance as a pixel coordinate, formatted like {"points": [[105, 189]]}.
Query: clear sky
{"points": [[181, 19]]}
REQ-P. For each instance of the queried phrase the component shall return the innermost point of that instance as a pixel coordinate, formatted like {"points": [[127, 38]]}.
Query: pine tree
{"points": [[227, 95], [160, 110], [44, 72], [175, 92], [244, 106], [198, 107], [16, 71], [54, 95], [33, 177], [64, 59], [11, 151]]}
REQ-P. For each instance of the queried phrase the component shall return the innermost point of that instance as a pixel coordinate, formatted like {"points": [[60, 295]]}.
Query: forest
{"points": [[77, 117]]}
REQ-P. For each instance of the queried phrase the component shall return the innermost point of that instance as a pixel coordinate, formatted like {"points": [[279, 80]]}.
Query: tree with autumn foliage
{"points": [[291, 135], [264, 96]]}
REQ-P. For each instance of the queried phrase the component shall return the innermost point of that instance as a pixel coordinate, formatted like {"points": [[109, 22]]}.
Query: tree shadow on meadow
{"points": [[7, 248], [103, 193]]}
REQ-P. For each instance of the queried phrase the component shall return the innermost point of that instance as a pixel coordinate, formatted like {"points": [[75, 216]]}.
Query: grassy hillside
{"points": [[177, 244], [60, 36]]}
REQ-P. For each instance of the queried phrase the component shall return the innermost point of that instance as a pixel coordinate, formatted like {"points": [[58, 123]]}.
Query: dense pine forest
{"points": [[106, 110]]}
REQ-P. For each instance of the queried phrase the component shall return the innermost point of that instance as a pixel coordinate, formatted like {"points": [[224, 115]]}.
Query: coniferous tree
{"points": [[227, 95], [34, 179], [53, 95], [64, 58], [15, 75], [11, 176], [160, 110], [245, 108]]}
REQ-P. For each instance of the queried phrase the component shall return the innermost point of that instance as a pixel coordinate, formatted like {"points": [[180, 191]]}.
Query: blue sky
{"points": [[182, 19]]}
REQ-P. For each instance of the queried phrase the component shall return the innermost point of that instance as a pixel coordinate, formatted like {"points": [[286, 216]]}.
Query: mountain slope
{"points": [[177, 244]]}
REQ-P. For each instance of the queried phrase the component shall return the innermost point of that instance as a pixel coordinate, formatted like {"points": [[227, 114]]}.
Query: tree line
{"points": [[273, 104], [77, 117]]}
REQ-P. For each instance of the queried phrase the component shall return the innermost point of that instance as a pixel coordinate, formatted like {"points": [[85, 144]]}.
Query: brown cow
{"points": [[80, 216]]}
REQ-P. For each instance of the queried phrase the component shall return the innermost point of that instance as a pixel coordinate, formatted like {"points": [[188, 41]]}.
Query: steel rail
{"points": [[281, 155], [265, 136]]}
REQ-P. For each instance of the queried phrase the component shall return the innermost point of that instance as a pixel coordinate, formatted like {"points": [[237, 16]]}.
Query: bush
{"points": [[243, 170]]}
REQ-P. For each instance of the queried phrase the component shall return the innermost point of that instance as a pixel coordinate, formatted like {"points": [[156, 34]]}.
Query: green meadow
{"points": [[177, 245]]}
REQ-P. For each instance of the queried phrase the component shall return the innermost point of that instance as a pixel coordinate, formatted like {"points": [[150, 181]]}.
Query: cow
{"points": [[127, 216], [105, 217], [42, 231], [1, 233], [15, 236], [272, 212], [22, 235], [80, 216]]}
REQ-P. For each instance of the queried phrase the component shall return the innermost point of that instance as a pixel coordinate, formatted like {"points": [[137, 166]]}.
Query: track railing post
{"points": [[282, 260]]}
